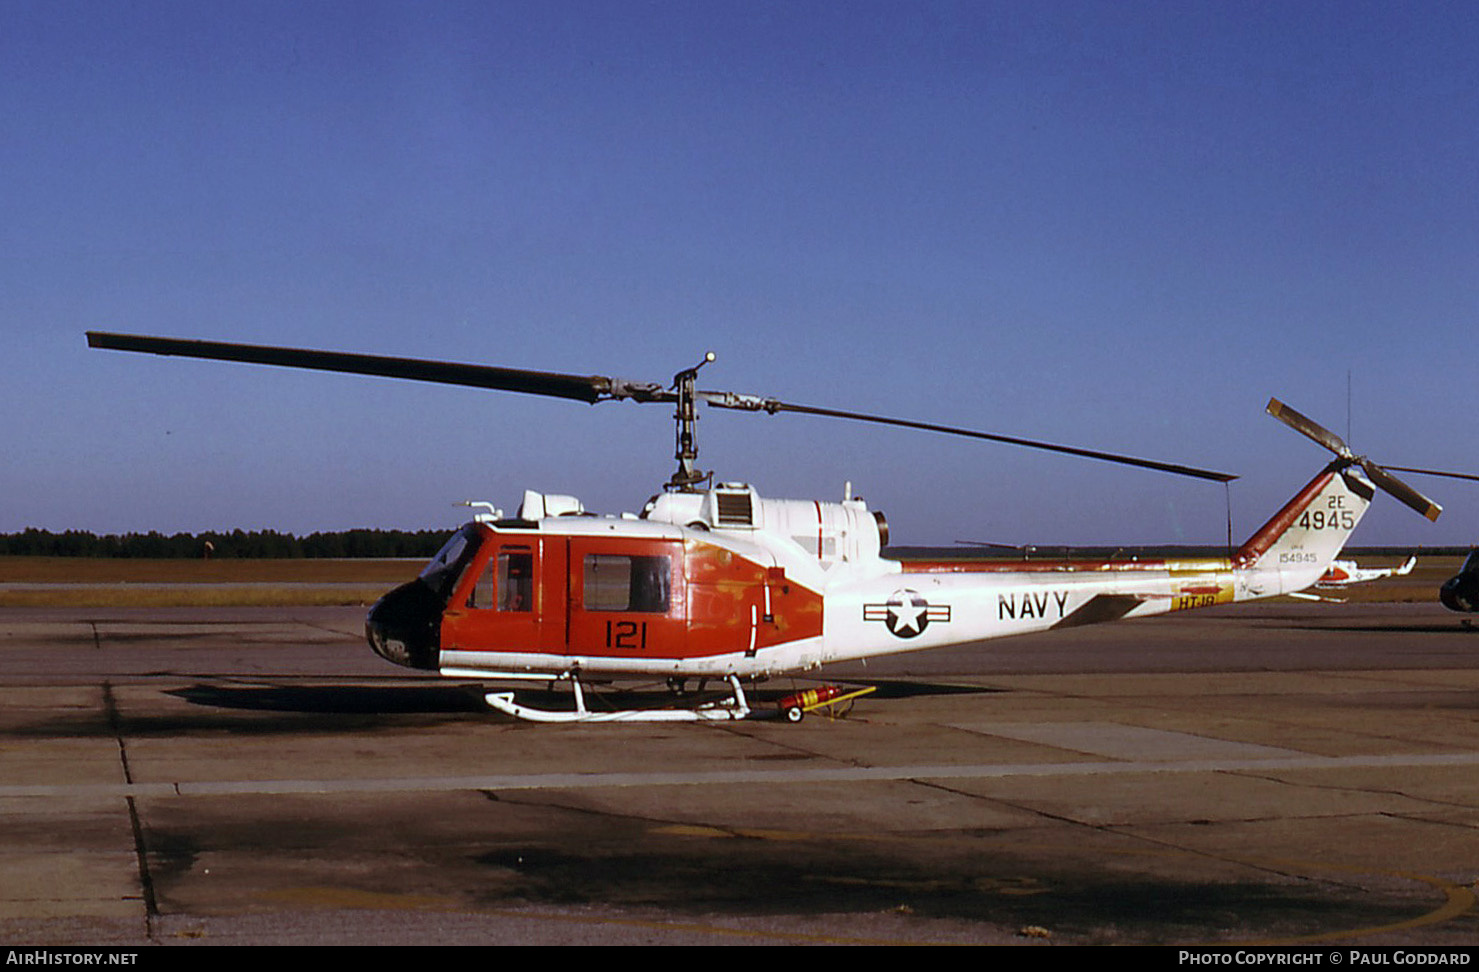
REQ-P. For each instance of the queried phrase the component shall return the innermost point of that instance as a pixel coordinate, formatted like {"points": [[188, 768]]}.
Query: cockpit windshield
{"points": [[442, 572]]}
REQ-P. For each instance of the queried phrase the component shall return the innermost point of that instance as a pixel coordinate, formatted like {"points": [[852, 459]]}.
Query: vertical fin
{"points": [[1311, 529]]}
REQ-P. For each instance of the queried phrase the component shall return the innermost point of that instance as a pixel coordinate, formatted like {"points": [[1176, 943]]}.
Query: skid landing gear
{"points": [[731, 709]]}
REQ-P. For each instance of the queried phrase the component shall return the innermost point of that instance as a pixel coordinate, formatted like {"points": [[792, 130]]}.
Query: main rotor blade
{"points": [[1434, 472], [1303, 423], [725, 400], [1401, 490], [582, 388]]}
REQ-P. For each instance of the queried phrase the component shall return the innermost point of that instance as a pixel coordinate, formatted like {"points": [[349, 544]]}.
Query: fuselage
{"points": [[725, 582]]}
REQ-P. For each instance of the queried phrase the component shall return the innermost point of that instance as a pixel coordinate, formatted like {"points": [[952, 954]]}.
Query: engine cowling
{"points": [[828, 531]]}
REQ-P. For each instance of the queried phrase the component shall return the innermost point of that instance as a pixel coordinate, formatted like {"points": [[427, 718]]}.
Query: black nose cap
{"points": [[405, 626]]}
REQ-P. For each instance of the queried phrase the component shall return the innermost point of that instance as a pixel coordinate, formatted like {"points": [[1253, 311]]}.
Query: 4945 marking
{"points": [[1333, 520], [1337, 517]]}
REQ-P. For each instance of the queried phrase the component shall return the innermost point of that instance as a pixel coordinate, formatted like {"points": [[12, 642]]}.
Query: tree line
{"points": [[233, 545]]}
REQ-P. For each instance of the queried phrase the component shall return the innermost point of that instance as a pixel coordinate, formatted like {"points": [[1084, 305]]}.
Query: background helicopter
{"points": [[1344, 574], [714, 581], [1461, 591]]}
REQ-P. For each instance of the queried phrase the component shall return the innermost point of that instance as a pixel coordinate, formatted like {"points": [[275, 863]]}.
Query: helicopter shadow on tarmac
{"points": [[337, 699], [1388, 627], [467, 699]]}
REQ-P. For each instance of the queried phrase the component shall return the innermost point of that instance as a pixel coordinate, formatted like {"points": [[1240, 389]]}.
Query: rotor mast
{"points": [[687, 476]]}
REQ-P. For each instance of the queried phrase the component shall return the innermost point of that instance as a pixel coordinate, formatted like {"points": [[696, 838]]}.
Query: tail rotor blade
{"points": [[1401, 490], [1303, 423]]}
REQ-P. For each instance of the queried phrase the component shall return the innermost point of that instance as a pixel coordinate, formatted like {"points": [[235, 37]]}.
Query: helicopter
{"points": [[1461, 591], [714, 581], [1344, 573]]}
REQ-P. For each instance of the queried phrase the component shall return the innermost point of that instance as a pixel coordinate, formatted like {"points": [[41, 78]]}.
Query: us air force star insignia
{"points": [[906, 614]]}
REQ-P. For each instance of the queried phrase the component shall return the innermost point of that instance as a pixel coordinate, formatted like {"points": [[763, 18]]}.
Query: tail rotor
{"points": [[1379, 476]]}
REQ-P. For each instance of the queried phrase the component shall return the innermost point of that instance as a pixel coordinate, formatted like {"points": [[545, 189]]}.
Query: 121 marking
{"points": [[629, 635]]}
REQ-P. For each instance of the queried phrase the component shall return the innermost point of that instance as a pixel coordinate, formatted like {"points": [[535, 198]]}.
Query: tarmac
{"points": [[1278, 773]]}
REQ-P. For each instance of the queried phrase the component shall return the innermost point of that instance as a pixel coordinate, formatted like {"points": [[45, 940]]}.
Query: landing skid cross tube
{"points": [[731, 709]]}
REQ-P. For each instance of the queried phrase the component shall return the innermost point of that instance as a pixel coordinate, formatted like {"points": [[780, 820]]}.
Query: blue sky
{"points": [[1121, 226]]}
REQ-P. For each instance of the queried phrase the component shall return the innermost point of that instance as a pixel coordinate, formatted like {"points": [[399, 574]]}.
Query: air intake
{"points": [[734, 509]]}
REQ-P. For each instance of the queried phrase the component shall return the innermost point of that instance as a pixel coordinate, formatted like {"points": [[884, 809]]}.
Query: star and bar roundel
{"points": [[906, 613]]}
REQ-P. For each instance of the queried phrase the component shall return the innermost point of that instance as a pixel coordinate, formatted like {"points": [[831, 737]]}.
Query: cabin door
{"points": [[515, 600]]}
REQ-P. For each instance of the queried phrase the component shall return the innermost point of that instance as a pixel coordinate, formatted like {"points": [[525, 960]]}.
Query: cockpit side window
{"points": [[506, 582], [516, 580]]}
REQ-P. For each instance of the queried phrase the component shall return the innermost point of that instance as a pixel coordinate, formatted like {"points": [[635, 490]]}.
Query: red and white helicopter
{"points": [[716, 581], [1345, 574]]}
